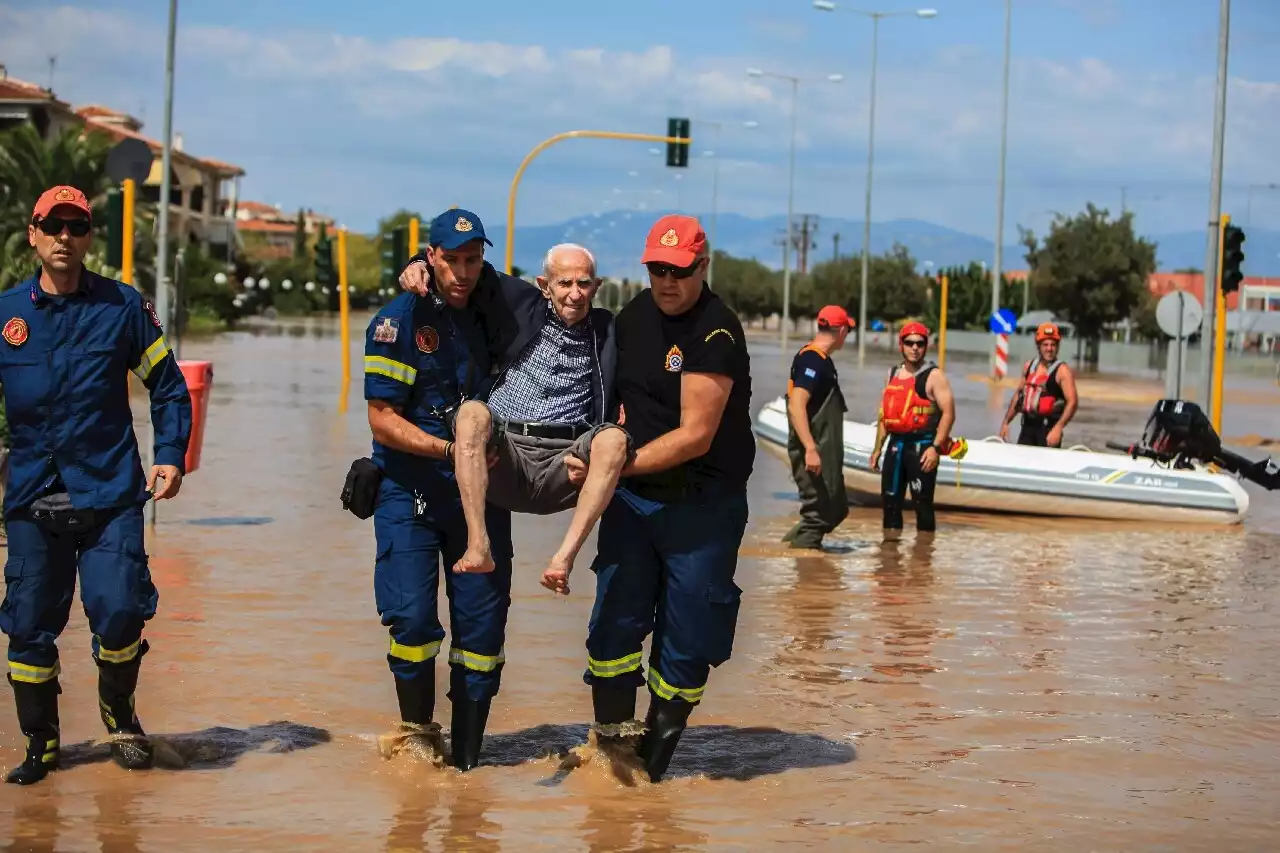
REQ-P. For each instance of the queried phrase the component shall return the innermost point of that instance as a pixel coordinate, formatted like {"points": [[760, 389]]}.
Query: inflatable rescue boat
{"points": [[1073, 482]]}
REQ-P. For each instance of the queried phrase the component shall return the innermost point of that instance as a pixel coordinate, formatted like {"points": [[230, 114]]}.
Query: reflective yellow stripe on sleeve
{"points": [[383, 366], [153, 356]]}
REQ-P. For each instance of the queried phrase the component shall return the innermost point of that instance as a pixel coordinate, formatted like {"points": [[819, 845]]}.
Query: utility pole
{"points": [[835, 246], [805, 242], [1207, 330]]}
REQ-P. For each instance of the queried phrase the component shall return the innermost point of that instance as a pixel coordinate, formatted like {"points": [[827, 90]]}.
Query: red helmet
{"points": [[1048, 332], [913, 328]]}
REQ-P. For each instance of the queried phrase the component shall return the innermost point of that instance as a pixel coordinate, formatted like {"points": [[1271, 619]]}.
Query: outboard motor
{"points": [[1179, 434]]}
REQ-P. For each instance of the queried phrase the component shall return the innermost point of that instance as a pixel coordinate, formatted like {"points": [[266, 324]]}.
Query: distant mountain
{"points": [[616, 238]]}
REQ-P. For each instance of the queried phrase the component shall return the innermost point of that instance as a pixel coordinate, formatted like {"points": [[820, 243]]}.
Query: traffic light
{"points": [[678, 152], [1232, 257], [114, 230], [325, 274], [395, 254]]}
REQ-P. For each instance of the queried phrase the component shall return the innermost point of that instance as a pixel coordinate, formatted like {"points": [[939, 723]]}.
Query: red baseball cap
{"points": [[674, 240], [833, 316], [59, 196]]}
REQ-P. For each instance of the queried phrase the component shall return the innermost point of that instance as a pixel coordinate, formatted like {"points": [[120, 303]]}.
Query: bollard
{"points": [[199, 377]]}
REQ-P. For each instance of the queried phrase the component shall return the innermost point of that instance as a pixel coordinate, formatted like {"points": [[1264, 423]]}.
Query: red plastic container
{"points": [[199, 376]]}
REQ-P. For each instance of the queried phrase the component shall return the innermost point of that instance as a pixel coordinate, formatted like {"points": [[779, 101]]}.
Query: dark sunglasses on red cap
{"points": [[657, 269], [53, 225]]}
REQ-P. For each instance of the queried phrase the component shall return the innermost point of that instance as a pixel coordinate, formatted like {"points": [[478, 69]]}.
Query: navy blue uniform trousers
{"points": [[406, 581], [666, 569], [40, 582]]}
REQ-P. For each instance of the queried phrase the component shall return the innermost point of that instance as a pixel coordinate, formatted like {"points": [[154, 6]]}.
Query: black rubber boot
{"points": [[467, 724], [38, 719], [613, 703], [419, 735], [117, 683], [664, 724]]}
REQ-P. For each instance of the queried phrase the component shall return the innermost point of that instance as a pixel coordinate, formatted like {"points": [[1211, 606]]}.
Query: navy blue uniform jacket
{"points": [[64, 364]]}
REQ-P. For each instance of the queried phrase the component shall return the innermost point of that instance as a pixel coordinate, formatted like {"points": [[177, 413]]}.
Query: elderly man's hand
{"points": [[414, 278], [577, 469]]}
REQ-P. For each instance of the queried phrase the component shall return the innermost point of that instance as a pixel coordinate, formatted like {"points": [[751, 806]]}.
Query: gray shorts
{"points": [[530, 475]]}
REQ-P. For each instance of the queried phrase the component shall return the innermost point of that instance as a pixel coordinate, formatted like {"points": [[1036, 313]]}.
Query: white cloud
{"points": [[459, 114]]}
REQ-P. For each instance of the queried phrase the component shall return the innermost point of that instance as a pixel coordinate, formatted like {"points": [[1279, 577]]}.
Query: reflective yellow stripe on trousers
{"points": [[29, 674], [616, 667], [415, 654], [479, 663], [124, 655], [661, 688]]}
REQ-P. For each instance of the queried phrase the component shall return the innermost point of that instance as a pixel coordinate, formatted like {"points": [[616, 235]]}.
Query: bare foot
{"points": [[556, 577], [477, 560]]}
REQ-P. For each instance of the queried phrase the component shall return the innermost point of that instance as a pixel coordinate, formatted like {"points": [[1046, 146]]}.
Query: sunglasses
{"points": [[914, 342], [53, 225], [661, 270]]}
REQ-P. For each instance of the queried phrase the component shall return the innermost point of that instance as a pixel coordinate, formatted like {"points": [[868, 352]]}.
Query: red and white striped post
{"points": [[1002, 356]]}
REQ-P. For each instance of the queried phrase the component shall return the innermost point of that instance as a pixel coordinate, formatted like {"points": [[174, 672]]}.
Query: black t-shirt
{"points": [[653, 350], [816, 374]]}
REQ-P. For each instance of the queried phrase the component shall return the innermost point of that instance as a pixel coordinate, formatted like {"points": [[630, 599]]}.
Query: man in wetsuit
{"points": [[815, 435], [1047, 398], [916, 415]]}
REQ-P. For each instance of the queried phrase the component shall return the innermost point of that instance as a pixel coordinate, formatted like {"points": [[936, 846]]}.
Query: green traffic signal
{"points": [[678, 152], [115, 228], [1232, 258]]}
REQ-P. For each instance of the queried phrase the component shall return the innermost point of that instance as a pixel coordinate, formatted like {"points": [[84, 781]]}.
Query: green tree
{"points": [[1091, 271], [969, 297], [300, 238], [894, 288], [746, 285]]}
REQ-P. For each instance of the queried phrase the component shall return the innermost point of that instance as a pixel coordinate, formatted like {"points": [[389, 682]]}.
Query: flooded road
{"points": [[1010, 684]]}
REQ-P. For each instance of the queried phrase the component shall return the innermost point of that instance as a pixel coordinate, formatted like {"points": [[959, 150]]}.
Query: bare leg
{"points": [[608, 456], [472, 470]]}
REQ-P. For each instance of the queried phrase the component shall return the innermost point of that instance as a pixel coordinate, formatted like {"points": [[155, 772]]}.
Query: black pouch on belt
{"points": [[360, 491]]}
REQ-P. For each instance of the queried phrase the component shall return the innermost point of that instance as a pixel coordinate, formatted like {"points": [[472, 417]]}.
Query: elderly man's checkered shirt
{"points": [[551, 380]]}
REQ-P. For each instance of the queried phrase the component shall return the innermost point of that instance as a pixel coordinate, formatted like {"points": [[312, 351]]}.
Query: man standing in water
{"points": [[815, 440], [1047, 399], [668, 541], [424, 356], [916, 415], [76, 488]]}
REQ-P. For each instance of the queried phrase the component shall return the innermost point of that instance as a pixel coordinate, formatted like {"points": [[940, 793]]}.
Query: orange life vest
{"points": [[902, 409], [1036, 399]]}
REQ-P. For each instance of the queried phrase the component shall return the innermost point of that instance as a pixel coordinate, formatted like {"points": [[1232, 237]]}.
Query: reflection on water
{"points": [[1006, 683]]}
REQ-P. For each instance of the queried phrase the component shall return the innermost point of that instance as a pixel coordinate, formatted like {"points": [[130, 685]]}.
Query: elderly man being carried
{"points": [[547, 438]]}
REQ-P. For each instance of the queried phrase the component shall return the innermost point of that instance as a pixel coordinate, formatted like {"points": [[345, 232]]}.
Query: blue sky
{"points": [[359, 109]]}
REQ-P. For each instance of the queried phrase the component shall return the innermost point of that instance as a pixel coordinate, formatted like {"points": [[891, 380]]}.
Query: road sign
{"points": [[1002, 322], [1179, 314], [131, 158]]}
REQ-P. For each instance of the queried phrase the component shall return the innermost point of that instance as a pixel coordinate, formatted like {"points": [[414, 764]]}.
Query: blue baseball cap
{"points": [[455, 227]]}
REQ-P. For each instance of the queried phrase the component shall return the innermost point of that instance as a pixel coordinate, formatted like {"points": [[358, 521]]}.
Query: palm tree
{"points": [[28, 166]]}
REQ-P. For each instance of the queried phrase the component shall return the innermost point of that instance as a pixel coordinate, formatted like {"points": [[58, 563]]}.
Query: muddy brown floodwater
{"points": [[1011, 684]]}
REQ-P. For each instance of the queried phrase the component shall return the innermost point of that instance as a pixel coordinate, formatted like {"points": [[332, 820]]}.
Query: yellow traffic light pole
{"points": [[1219, 332], [126, 232], [942, 326], [344, 318], [413, 236], [547, 143]]}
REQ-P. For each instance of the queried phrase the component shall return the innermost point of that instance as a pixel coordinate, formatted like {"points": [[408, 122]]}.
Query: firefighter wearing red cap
{"points": [[815, 439], [669, 538], [1047, 399], [76, 489], [914, 425]]}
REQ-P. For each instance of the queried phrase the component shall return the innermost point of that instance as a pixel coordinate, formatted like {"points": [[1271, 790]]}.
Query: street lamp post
{"points": [[791, 183], [714, 153], [1004, 147], [827, 6]]}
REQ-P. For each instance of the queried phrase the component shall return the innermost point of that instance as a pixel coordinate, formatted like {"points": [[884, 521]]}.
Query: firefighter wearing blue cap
{"points": [[76, 486], [424, 355]]}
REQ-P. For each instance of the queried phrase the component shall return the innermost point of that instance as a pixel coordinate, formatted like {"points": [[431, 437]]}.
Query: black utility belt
{"points": [[64, 520], [535, 429]]}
